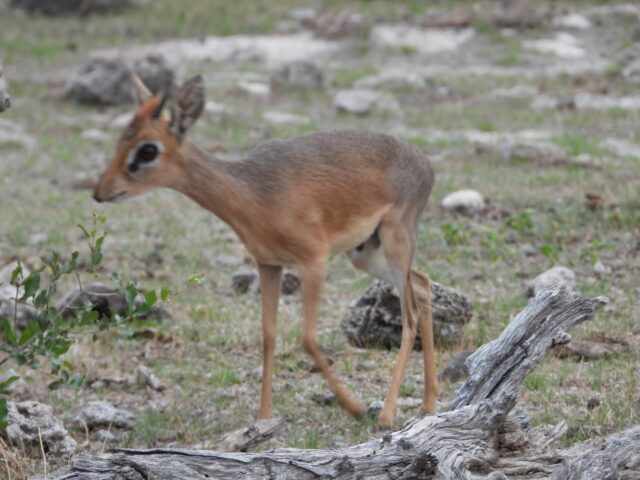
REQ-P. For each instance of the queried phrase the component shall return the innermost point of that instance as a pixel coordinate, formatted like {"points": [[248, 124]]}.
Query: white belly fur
{"points": [[357, 234]]}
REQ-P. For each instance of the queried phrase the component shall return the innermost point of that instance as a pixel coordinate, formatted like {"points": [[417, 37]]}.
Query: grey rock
{"points": [[423, 40], [456, 370], [243, 281], [364, 101], [70, 7], [465, 201], [563, 45], [100, 414], [375, 319], [284, 118], [557, 275], [106, 79], [105, 436], [290, 283], [30, 421], [148, 378], [573, 21], [107, 301], [300, 74], [249, 281]]}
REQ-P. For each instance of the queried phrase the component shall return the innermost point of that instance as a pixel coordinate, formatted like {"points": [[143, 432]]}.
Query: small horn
{"points": [[166, 95], [141, 91]]}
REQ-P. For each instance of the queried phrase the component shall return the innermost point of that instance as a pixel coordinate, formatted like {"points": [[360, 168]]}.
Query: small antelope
{"points": [[294, 202]]}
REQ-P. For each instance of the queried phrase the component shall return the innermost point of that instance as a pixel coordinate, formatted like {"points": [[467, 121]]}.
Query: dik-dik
{"points": [[295, 202]]}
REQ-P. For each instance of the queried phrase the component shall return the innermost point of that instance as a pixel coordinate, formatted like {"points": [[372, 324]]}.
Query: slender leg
{"points": [[312, 278], [270, 294], [399, 253], [422, 288]]}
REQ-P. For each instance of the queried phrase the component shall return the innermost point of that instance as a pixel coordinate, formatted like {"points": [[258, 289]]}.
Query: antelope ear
{"points": [[188, 104], [140, 90]]}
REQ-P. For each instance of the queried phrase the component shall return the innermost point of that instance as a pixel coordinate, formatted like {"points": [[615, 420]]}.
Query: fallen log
{"points": [[467, 442]]}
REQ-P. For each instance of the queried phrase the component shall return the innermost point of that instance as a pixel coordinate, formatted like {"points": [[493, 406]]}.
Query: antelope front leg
{"points": [[270, 294], [312, 278]]}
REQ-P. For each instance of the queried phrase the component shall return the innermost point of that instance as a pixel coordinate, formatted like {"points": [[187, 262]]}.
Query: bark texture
{"points": [[5, 99], [480, 437]]}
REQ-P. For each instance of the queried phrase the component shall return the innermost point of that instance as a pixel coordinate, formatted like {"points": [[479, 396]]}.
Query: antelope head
{"points": [[149, 152]]}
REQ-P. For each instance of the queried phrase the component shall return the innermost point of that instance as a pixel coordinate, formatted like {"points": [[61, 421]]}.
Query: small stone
{"points": [[465, 202], [375, 407], [600, 269], [553, 277], [242, 282], [324, 398], [38, 238], [422, 40], [563, 45], [147, 377], [105, 436], [253, 89], [290, 283], [363, 101], [95, 136], [593, 403], [98, 414], [573, 21], [283, 118], [300, 74], [302, 14]]}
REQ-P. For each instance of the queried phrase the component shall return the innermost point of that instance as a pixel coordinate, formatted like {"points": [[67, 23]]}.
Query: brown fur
{"points": [[293, 202]]}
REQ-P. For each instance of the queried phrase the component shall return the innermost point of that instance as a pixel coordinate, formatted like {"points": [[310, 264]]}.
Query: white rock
{"points": [[563, 45], [271, 49], [12, 133], [284, 118], [214, 107], [464, 201], [255, 89], [517, 91], [94, 135], [573, 21], [600, 269], [363, 101], [621, 147], [555, 276], [423, 40], [595, 101], [391, 79]]}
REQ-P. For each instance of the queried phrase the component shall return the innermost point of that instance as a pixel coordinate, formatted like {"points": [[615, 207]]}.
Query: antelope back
{"points": [[148, 153]]}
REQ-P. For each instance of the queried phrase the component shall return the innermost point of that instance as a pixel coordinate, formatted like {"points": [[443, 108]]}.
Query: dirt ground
{"points": [[486, 97]]}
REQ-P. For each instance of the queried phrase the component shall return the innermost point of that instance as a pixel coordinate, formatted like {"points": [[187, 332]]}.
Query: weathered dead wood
{"points": [[242, 439], [462, 443]]}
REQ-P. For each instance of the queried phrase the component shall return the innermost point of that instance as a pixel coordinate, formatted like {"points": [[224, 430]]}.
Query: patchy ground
{"points": [[537, 111]]}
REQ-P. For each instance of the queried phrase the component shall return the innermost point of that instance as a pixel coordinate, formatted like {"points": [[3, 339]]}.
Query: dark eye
{"points": [[146, 153]]}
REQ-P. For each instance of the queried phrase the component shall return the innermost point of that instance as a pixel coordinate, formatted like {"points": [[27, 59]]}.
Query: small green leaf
{"points": [[7, 331], [130, 293], [4, 384], [84, 230], [16, 274], [31, 285], [4, 412], [96, 252], [150, 298], [29, 332], [195, 279], [164, 294], [60, 346]]}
